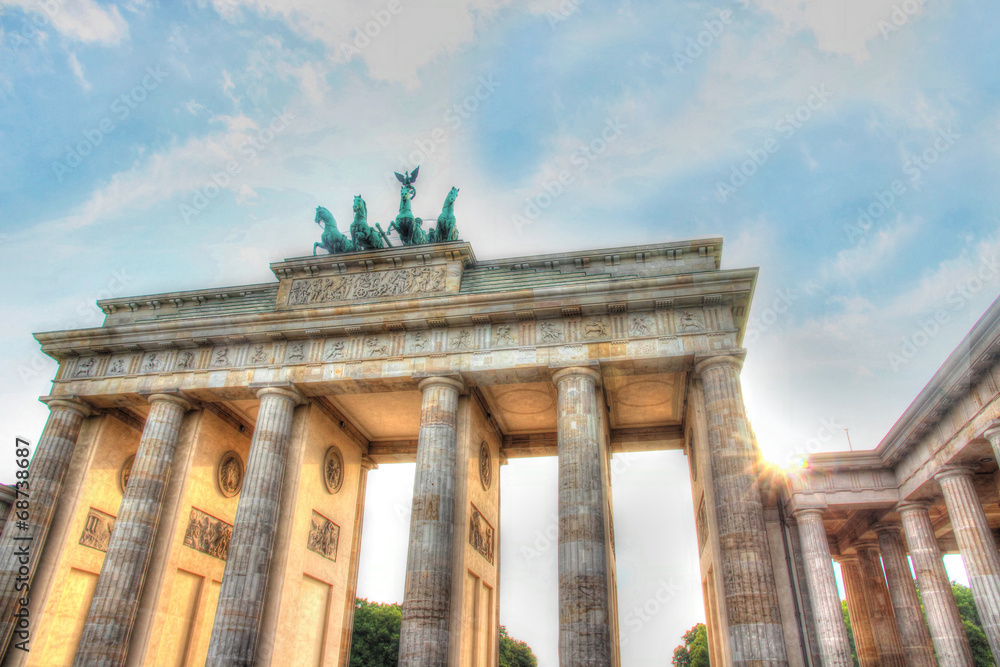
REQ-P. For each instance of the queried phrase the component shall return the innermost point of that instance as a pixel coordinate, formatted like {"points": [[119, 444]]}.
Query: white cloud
{"points": [[77, 69], [79, 20]]}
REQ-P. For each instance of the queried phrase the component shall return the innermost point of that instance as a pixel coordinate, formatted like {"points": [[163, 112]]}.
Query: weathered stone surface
{"points": [[584, 606], [947, 633], [755, 632], [244, 584], [47, 471], [913, 634], [424, 636], [880, 612], [857, 607], [830, 630], [116, 597], [978, 547]]}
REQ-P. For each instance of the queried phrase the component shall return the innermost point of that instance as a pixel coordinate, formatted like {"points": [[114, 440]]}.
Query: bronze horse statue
{"points": [[446, 229], [364, 236], [332, 240], [408, 227]]}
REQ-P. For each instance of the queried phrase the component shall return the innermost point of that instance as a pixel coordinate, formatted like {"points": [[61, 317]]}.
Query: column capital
{"points": [[441, 381], [808, 511], [176, 399], [846, 559], [368, 463], [729, 358], [286, 391], [992, 432], [866, 544], [893, 528], [908, 506], [71, 403], [576, 371], [950, 471]]}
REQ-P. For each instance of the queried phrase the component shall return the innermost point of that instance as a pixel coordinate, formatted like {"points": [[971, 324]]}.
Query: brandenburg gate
{"points": [[197, 494]]}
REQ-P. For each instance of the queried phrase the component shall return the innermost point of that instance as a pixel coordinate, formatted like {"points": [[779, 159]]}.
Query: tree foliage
{"points": [[514, 653], [375, 641], [694, 651]]}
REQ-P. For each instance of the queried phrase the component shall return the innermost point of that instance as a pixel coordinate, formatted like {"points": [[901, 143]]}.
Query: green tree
{"points": [[514, 653], [850, 632], [375, 641], [694, 651]]}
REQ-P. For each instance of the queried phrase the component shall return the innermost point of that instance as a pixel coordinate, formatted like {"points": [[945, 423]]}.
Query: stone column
{"points": [[834, 646], [347, 630], [45, 479], [423, 634], [244, 581], [883, 618], [857, 608], [913, 632], [752, 611], [584, 604], [975, 541], [947, 633], [116, 598]]}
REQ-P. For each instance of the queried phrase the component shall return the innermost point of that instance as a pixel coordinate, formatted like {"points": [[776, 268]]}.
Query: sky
{"points": [[847, 149]]}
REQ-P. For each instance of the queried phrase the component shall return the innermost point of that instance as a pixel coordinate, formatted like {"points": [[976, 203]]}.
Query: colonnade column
{"points": [[975, 541], [116, 598], [584, 603], [23, 540], [752, 611], [857, 607], [947, 633], [423, 635], [883, 619], [913, 632], [244, 581], [831, 633]]}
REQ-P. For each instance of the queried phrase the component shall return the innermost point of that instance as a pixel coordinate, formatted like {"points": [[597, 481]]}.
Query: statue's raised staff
{"points": [[332, 240]]}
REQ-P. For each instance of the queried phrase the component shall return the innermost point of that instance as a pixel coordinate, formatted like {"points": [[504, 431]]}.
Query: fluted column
{"points": [[112, 610], [347, 629], [979, 550], [950, 643], [423, 634], [830, 631], [857, 608], [23, 539], [584, 605], [913, 632], [883, 618], [754, 618], [244, 581]]}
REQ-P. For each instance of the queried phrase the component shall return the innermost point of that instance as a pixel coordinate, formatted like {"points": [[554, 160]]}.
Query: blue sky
{"points": [[150, 147]]}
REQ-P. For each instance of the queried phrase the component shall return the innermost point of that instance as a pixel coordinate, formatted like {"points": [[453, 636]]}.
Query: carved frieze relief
{"points": [[481, 534], [333, 469], [208, 535], [230, 474], [324, 536], [415, 280], [97, 530]]}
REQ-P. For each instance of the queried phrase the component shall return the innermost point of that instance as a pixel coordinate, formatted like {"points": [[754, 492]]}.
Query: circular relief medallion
{"points": [[333, 469], [126, 472], [230, 474], [485, 465]]}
